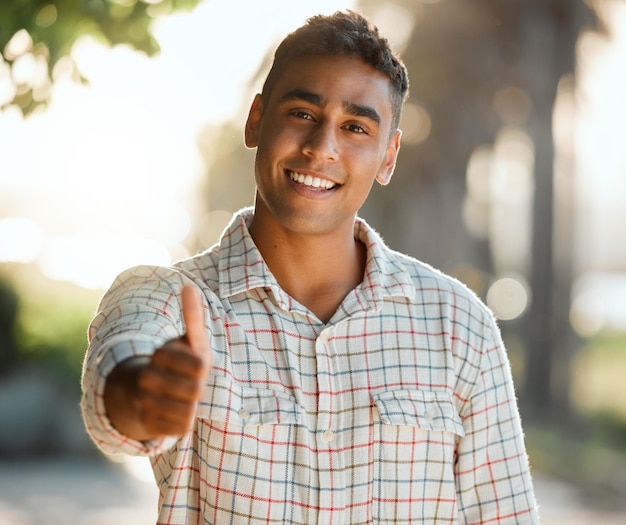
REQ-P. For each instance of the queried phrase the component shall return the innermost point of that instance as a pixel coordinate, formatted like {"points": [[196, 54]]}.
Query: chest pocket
{"points": [[414, 453], [228, 402], [424, 409]]}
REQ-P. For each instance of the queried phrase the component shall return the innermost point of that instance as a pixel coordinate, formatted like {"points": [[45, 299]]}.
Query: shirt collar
{"points": [[240, 264], [242, 268], [386, 275]]}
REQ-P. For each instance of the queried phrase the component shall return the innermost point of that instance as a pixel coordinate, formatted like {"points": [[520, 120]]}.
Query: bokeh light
{"points": [[498, 204], [508, 298], [598, 303]]}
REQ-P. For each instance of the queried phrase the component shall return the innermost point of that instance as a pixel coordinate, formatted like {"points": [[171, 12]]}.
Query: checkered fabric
{"points": [[400, 409]]}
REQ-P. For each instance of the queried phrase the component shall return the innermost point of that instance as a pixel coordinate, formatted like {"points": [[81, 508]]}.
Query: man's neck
{"points": [[318, 271]]}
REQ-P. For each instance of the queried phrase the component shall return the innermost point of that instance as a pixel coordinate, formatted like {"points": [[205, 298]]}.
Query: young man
{"points": [[300, 371]]}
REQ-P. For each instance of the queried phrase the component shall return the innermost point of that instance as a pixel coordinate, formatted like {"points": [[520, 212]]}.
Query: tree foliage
{"points": [[36, 36]]}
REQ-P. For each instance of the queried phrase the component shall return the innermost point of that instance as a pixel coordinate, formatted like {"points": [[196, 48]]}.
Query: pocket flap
{"points": [[230, 403], [425, 409]]}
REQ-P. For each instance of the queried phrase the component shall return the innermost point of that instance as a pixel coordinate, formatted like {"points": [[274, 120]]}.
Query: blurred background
{"points": [[121, 143]]}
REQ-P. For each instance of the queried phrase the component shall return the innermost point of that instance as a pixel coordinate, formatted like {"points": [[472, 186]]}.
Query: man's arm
{"points": [[493, 478], [152, 397]]}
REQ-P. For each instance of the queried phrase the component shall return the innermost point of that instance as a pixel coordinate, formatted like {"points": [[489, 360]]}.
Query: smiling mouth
{"points": [[310, 181]]}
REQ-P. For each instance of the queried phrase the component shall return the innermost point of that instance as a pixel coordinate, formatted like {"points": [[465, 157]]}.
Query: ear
{"points": [[251, 130], [391, 154]]}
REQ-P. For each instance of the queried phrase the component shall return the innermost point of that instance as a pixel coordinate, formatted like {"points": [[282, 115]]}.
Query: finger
{"points": [[176, 357], [185, 386], [193, 317], [166, 416]]}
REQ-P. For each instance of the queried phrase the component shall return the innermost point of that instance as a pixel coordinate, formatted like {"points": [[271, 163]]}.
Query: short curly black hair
{"points": [[342, 33]]}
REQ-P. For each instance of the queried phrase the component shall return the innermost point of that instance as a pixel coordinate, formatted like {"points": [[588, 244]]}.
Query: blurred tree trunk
{"points": [[540, 34], [9, 353], [550, 31]]}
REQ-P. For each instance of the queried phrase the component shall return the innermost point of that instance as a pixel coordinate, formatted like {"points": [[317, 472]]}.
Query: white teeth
{"points": [[308, 180]]}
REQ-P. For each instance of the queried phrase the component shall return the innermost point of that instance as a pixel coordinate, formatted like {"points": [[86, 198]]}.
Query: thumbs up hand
{"points": [[157, 396], [193, 317]]}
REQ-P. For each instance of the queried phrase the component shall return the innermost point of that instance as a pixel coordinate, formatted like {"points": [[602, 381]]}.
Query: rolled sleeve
{"points": [[138, 314]]}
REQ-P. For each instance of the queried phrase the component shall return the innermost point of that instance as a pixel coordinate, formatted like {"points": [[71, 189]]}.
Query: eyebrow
{"points": [[358, 110]]}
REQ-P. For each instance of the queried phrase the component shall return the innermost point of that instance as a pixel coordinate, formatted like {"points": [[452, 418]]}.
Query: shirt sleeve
{"points": [[493, 477], [136, 315]]}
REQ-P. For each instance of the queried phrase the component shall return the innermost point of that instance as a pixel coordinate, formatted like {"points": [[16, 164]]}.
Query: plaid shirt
{"points": [[400, 409]]}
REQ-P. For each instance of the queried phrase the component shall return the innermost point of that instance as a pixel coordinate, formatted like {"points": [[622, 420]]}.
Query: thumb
{"points": [[193, 317]]}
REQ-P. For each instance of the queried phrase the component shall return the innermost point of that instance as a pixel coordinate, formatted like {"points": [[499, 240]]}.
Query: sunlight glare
{"points": [[95, 261], [7, 87], [225, 62], [601, 164], [21, 240], [114, 181]]}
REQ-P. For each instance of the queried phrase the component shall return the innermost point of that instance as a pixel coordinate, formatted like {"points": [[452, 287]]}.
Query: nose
{"points": [[321, 143]]}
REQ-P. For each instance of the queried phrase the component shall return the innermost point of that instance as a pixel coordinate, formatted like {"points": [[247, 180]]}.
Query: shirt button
{"points": [[244, 414], [328, 436], [428, 418]]}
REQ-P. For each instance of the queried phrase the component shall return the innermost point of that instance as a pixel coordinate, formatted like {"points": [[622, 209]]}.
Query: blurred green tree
{"points": [[36, 37]]}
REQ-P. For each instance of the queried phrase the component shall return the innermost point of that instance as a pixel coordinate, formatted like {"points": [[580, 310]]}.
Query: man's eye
{"points": [[302, 115], [355, 128]]}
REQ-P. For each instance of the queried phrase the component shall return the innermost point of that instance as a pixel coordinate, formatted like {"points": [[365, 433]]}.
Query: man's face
{"points": [[322, 137]]}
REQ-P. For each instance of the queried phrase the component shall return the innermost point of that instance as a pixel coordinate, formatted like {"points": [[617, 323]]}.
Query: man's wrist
{"points": [[121, 398]]}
